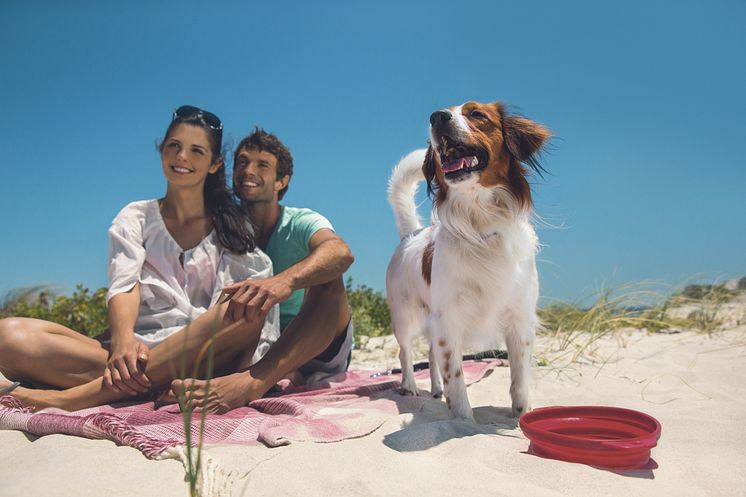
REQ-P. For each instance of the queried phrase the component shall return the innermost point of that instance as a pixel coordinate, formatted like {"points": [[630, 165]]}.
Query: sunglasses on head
{"points": [[210, 119]]}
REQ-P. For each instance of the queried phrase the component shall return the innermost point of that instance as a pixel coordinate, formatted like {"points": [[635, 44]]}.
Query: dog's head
{"points": [[484, 144]]}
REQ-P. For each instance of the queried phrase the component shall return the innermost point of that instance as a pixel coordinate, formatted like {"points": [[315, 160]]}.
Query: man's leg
{"points": [[323, 317], [319, 327]]}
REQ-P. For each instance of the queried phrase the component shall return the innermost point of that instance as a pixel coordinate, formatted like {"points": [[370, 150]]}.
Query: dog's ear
{"points": [[428, 170], [524, 139]]}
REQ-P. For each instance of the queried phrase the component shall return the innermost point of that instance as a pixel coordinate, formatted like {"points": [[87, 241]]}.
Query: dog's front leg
{"points": [[520, 347], [436, 380], [447, 351], [408, 383]]}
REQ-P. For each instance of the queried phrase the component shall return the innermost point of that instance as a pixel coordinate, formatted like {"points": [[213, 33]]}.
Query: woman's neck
{"points": [[184, 204]]}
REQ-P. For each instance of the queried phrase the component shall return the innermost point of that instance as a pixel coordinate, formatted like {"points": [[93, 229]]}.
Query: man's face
{"points": [[255, 176]]}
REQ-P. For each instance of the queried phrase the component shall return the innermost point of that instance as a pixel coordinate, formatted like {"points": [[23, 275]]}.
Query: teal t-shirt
{"points": [[288, 245]]}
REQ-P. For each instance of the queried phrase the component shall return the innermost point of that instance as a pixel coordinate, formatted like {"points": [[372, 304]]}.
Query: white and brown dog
{"points": [[469, 280]]}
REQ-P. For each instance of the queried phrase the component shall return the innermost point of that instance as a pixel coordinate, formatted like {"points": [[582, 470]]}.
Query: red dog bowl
{"points": [[609, 437]]}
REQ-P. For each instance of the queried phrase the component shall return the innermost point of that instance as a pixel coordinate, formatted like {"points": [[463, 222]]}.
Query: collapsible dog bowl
{"points": [[608, 437]]}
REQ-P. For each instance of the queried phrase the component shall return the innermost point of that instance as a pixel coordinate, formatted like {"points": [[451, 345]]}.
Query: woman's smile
{"points": [[181, 170]]}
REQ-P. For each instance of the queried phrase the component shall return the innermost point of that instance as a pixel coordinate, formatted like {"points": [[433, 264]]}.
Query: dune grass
{"points": [[193, 442], [575, 327]]}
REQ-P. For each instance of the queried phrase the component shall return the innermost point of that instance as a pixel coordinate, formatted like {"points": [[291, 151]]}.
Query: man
{"points": [[309, 260]]}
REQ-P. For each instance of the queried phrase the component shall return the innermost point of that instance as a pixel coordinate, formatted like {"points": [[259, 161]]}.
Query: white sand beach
{"points": [[691, 382]]}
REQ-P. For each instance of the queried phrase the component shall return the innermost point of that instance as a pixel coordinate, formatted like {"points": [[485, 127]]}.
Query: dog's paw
{"points": [[460, 409], [408, 383], [465, 413], [437, 393], [408, 387], [520, 410], [408, 392]]}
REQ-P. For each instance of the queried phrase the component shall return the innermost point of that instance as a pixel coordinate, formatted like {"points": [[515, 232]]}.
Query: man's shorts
{"points": [[335, 359]]}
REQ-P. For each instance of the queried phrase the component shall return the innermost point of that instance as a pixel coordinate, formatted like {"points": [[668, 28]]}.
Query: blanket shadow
{"points": [[426, 431], [31, 437]]}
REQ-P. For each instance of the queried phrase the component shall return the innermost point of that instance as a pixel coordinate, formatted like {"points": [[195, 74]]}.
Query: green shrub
{"points": [[370, 310], [83, 312], [702, 293]]}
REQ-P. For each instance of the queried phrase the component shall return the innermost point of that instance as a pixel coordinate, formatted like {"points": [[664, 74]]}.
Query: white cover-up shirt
{"points": [[176, 285]]}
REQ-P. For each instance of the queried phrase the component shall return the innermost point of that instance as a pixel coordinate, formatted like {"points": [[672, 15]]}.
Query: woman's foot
{"points": [[8, 386], [31, 398]]}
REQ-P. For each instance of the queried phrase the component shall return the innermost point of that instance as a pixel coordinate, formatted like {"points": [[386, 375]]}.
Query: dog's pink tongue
{"points": [[457, 164]]}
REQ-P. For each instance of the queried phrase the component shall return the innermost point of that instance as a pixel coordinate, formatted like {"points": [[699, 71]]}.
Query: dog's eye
{"points": [[477, 114]]}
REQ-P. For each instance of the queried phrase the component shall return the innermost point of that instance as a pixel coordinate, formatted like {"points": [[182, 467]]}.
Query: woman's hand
{"points": [[125, 368]]}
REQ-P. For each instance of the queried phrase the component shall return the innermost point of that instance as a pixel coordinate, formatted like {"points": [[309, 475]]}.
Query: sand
{"points": [[694, 384]]}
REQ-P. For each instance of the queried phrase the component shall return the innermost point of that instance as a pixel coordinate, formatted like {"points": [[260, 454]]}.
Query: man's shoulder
{"points": [[290, 212], [295, 216]]}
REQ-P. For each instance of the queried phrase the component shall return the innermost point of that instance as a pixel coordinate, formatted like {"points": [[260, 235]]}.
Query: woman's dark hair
{"points": [[231, 223]]}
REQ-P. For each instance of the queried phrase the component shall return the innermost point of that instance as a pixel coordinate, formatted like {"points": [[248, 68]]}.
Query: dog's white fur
{"points": [[484, 285]]}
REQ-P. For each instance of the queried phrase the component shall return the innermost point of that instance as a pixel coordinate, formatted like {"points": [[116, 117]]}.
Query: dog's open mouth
{"points": [[458, 159]]}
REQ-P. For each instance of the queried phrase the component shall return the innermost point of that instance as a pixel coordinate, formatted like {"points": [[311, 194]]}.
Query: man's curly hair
{"points": [[267, 142]]}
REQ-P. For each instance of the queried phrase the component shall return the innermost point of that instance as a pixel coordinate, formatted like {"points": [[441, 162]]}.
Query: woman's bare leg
{"points": [[164, 362], [48, 353]]}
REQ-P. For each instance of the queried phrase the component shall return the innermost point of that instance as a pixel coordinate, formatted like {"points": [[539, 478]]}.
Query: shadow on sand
{"points": [[429, 429]]}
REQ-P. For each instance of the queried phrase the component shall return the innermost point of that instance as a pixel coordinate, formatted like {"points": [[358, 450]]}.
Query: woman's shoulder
{"points": [[135, 213]]}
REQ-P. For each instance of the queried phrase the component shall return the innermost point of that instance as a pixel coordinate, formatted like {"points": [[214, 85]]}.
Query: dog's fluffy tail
{"points": [[402, 189]]}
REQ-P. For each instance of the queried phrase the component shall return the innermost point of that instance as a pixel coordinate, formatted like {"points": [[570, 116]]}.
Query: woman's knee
{"points": [[14, 338]]}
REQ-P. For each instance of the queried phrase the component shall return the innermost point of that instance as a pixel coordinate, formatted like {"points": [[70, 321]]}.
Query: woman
{"points": [[169, 261]]}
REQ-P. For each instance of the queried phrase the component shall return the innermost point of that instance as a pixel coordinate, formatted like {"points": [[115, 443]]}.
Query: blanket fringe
{"points": [[121, 432]]}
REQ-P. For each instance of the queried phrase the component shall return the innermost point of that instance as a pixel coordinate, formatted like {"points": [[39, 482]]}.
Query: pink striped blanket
{"points": [[348, 405]]}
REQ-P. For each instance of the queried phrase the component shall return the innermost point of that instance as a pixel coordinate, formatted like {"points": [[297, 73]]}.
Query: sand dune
{"points": [[692, 383]]}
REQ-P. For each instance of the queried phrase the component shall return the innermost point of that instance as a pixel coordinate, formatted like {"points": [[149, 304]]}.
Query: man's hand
{"points": [[253, 298], [124, 370]]}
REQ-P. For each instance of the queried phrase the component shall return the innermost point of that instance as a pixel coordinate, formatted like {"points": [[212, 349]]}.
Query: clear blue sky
{"points": [[647, 100]]}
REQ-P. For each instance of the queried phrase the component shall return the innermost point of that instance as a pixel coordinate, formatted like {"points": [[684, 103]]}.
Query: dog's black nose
{"points": [[439, 117]]}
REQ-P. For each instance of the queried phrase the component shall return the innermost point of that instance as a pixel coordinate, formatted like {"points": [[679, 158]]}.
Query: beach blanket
{"points": [[347, 405]]}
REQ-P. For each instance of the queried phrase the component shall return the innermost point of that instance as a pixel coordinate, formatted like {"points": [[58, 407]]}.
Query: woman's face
{"points": [[186, 157]]}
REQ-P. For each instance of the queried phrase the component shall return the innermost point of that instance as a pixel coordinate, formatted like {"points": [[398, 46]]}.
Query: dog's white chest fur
{"points": [[483, 285]]}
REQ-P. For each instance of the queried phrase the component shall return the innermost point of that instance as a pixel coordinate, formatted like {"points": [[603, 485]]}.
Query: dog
{"points": [[468, 280]]}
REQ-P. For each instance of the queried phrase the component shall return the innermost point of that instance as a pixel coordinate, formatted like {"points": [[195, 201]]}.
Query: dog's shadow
{"points": [[424, 432]]}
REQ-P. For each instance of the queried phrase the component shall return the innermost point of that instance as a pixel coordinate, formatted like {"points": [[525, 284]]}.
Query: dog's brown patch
{"points": [[458, 373], [442, 342], [427, 262], [510, 142]]}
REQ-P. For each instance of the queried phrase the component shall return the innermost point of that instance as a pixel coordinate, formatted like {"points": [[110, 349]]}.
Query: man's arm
{"points": [[328, 259]]}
